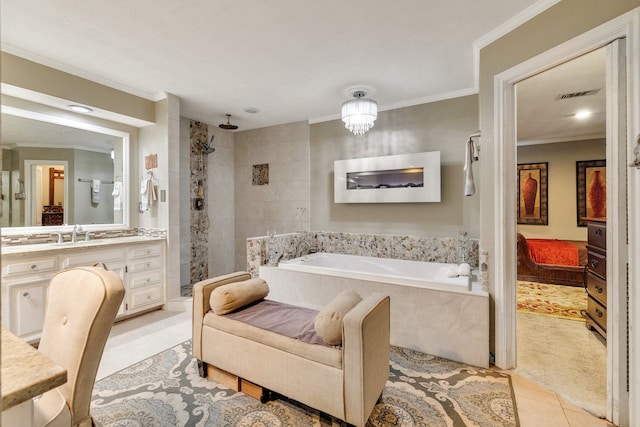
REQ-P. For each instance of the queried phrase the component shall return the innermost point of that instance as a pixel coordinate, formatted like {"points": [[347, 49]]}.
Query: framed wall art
{"points": [[532, 194], [591, 190]]}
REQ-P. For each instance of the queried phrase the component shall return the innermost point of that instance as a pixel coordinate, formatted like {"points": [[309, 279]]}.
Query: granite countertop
{"points": [[25, 371], [66, 246]]}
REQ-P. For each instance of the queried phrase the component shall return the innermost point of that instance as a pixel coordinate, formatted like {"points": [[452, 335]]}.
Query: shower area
{"points": [[201, 147]]}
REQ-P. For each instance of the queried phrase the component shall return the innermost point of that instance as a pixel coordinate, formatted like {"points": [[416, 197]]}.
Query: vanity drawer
{"points": [[34, 266], [597, 313], [144, 264], [107, 257], [141, 251], [597, 234], [597, 263], [145, 297], [150, 278], [597, 288]]}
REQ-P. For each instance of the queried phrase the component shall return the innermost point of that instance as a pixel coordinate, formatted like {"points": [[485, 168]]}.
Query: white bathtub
{"points": [[432, 275], [430, 312]]}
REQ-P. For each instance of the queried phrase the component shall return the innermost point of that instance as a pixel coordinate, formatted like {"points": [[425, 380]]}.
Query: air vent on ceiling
{"points": [[577, 94]]}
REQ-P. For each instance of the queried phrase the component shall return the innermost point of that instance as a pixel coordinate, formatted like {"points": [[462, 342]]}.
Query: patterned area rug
{"points": [[422, 390], [552, 300]]}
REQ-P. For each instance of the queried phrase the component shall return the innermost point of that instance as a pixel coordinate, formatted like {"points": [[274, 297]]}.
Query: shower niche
{"points": [[402, 178]]}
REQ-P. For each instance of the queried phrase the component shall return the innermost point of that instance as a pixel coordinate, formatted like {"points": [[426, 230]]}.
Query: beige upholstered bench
{"points": [[343, 380]]}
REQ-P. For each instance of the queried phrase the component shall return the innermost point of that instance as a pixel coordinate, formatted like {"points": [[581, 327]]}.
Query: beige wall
{"points": [[438, 126], [561, 158], [558, 24], [22, 73], [283, 204]]}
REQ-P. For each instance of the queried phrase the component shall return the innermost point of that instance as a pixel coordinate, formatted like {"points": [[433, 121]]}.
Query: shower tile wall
{"points": [[282, 204], [199, 135], [220, 201]]}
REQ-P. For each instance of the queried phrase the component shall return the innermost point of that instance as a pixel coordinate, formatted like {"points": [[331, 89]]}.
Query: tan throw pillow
{"points": [[227, 298], [328, 322]]}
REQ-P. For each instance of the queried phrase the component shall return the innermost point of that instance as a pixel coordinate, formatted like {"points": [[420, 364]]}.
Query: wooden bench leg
{"points": [[202, 369]]}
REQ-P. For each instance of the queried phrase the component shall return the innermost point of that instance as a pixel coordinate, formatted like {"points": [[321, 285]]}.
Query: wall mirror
{"points": [[57, 171]]}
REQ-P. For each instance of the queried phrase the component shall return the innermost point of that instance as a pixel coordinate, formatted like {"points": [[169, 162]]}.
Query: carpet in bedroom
{"points": [[556, 351], [565, 357], [422, 390], [551, 300]]}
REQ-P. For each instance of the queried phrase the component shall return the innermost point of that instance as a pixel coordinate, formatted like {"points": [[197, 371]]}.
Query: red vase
{"points": [[597, 195], [529, 192]]}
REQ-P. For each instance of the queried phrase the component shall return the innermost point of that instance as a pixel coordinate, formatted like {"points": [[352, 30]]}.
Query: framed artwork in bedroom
{"points": [[532, 194], [591, 190]]}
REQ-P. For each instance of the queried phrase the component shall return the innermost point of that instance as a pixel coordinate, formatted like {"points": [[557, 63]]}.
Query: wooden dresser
{"points": [[596, 277]]}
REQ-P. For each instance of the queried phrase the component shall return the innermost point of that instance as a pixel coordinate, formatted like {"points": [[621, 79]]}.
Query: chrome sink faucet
{"points": [[74, 234]]}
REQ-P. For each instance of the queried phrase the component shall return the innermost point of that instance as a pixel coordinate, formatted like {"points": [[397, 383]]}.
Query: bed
{"points": [[551, 261]]}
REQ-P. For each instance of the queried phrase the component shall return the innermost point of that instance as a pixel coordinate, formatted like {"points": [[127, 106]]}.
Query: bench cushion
{"points": [[233, 296], [328, 323], [327, 355]]}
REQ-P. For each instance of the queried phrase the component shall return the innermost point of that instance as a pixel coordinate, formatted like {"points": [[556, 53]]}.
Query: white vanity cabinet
{"points": [[145, 264], [114, 259], [24, 288], [26, 276]]}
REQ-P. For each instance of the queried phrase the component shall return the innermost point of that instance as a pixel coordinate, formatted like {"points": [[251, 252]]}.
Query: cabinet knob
{"points": [[599, 289], [598, 232], [594, 263], [33, 266], [599, 313], [26, 295]]}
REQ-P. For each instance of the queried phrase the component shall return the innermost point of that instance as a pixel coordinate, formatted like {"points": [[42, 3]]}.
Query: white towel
{"points": [[453, 271], [117, 196], [147, 194], [464, 269], [144, 199], [95, 191], [469, 185]]}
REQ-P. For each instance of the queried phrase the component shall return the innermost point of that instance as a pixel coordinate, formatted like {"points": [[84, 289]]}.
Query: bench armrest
{"points": [[201, 292], [365, 343]]}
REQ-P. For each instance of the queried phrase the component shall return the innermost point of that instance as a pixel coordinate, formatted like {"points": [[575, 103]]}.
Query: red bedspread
{"points": [[548, 251]]}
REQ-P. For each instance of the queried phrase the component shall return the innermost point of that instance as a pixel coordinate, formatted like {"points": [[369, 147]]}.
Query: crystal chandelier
{"points": [[358, 114]]}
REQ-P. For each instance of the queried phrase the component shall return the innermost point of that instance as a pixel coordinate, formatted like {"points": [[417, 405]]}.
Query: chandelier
{"points": [[358, 114]]}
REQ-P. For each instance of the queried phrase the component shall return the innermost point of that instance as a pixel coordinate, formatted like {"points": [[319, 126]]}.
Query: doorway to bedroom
{"points": [[561, 142]]}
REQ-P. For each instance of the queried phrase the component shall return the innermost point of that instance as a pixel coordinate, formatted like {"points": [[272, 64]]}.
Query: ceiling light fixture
{"points": [[80, 109], [358, 114], [582, 114]]}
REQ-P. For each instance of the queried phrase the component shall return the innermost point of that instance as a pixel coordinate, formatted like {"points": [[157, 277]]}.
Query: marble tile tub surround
{"points": [[266, 250], [43, 238]]}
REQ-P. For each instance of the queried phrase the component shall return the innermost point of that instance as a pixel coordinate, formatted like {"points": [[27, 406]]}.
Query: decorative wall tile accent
{"points": [[40, 238], [260, 174], [199, 136], [430, 249]]}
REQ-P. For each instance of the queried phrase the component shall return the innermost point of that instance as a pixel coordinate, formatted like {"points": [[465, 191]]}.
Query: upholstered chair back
{"points": [[81, 307]]}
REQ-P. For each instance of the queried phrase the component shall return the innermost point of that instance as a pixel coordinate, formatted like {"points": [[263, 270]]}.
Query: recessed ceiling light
{"points": [[582, 114], [80, 109], [252, 110]]}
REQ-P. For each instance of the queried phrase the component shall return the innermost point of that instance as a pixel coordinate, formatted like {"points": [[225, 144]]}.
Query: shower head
{"points": [[208, 148], [228, 125]]}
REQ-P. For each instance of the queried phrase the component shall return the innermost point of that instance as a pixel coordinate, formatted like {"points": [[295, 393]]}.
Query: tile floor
{"points": [[138, 338]]}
